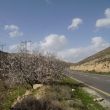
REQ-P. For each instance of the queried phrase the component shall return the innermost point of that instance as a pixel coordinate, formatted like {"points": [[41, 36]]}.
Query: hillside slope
{"points": [[100, 62]]}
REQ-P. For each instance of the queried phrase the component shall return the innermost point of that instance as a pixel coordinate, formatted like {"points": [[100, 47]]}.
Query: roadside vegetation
{"points": [[65, 94], [8, 96]]}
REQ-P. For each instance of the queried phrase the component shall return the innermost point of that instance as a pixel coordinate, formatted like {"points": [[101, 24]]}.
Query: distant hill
{"points": [[3, 57], [1, 52], [99, 62]]}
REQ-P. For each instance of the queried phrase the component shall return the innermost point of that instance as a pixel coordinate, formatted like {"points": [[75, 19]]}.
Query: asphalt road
{"points": [[100, 82]]}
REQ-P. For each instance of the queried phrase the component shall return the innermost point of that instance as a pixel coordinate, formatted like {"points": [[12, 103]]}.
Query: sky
{"points": [[71, 29]]}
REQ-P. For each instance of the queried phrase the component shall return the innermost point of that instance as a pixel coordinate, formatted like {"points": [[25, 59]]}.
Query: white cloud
{"points": [[15, 34], [104, 22], [71, 54], [11, 27], [76, 22], [97, 41], [53, 42], [13, 30], [107, 12]]}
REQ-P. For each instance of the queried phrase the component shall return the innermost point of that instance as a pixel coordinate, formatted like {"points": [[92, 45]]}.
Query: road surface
{"points": [[101, 83]]}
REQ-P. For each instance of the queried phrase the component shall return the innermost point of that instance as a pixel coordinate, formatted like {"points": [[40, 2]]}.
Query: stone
{"points": [[36, 86], [27, 93], [98, 99], [72, 90]]}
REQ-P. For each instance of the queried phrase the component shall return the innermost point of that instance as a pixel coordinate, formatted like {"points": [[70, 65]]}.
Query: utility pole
{"points": [[2, 47], [30, 46], [25, 46]]}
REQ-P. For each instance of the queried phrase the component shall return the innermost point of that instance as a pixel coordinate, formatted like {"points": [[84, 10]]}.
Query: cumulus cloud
{"points": [[53, 42], [76, 22], [71, 54], [104, 22], [98, 41], [107, 12], [13, 30]]}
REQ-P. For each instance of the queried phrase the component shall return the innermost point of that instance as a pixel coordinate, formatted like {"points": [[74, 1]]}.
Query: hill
{"points": [[3, 54], [99, 62]]}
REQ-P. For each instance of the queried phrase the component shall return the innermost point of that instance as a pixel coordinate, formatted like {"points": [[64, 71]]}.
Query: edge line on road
{"points": [[105, 93]]}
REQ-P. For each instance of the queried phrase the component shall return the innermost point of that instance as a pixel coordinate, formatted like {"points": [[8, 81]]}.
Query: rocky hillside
{"points": [[100, 62]]}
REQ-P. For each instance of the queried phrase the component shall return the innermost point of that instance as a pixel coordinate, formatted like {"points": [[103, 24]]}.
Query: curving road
{"points": [[101, 83]]}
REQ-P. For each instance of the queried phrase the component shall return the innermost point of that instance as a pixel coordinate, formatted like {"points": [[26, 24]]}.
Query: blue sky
{"points": [[74, 29]]}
